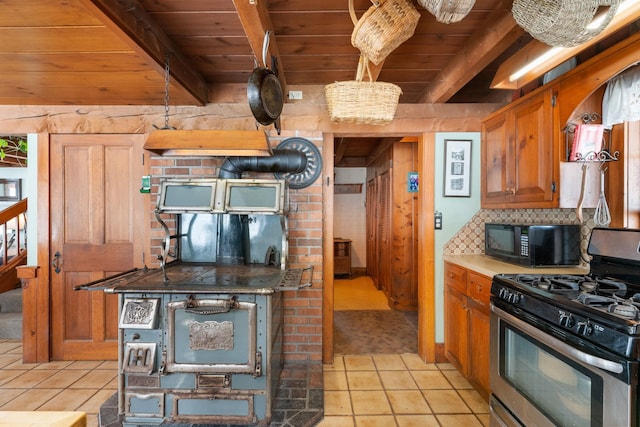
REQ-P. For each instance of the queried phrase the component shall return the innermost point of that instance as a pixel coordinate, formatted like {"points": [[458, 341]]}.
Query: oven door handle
{"points": [[563, 348]]}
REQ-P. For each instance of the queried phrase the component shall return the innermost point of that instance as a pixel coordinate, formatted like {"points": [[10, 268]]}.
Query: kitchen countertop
{"points": [[490, 266]]}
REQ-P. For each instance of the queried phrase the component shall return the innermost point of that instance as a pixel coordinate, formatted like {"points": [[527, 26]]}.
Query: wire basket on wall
{"points": [[564, 23]]}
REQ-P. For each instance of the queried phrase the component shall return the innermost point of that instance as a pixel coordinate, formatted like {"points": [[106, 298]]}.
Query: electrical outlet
{"points": [[295, 94]]}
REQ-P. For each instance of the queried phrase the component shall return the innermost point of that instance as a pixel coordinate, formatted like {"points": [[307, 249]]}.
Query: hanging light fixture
{"points": [[564, 23], [168, 141]]}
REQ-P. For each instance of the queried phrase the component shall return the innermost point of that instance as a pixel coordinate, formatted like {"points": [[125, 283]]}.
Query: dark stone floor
{"points": [[375, 331], [298, 402]]}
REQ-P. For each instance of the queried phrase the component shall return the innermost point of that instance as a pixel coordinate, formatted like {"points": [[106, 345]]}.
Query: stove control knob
{"points": [[584, 328], [514, 298], [566, 320], [503, 294]]}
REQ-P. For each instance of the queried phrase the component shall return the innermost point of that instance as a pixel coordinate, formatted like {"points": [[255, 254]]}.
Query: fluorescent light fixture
{"points": [[535, 63]]}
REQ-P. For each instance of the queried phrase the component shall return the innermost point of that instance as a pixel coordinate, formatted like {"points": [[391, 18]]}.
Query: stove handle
{"points": [[564, 348]]}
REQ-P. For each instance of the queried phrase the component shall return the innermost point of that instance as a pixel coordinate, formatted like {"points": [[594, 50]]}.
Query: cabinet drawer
{"points": [[455, 277], [479, 288], [342, 265]]}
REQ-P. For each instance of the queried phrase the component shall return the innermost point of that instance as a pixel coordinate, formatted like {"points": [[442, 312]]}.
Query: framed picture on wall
{"points": [[457, 168], [10, 190]]}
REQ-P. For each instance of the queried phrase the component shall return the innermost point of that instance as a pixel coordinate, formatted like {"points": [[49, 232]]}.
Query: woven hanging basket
{"points": [[448, 11], [362, 102], [383, 27], [563, 23]]}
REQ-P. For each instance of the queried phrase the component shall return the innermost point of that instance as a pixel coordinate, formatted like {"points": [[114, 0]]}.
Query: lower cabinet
{"points": [[466, 324]]}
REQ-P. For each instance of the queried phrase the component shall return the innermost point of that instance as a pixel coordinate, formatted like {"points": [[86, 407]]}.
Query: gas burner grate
{"points": [[552, 284], [603, 286], [625, 308]]}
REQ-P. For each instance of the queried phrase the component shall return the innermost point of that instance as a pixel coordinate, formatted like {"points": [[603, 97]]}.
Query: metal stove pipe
{"points": [[283, 160], [234, 232]]}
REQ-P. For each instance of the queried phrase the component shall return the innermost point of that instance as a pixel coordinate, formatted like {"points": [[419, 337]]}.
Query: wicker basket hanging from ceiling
{"points": [[448, 11], [363, 102], [564, 23], [383, 27]]}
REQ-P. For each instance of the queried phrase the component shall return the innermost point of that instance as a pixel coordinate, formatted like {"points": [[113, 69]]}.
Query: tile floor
{"points": [[359, 390], [54, 386], [398, 390], [362, 390]]}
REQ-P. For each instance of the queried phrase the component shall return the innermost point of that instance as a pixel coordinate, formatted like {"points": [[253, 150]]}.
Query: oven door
{"points": [[212, 335], [543, 380]]}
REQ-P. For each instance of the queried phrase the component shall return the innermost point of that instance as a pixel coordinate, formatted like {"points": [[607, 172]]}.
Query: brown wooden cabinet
{"points": [[518, 155], [466, 324], [456, 323], [342, 257]]}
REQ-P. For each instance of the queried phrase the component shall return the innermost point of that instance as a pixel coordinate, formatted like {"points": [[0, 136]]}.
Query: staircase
{"points": [[11, 314]]}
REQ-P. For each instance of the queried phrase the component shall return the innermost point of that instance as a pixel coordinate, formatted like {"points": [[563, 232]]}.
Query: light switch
{"points": [[438, 220]]}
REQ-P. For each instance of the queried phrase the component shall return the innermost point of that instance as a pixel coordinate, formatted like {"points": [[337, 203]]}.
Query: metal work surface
{"points": [[201, 278]]}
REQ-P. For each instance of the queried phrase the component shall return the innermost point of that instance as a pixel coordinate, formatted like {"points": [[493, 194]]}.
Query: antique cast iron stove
{"points": [[201, 336]]}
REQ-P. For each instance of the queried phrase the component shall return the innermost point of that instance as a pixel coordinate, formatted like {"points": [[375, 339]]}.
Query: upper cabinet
{"points": [[518, 155], [523, 144]]}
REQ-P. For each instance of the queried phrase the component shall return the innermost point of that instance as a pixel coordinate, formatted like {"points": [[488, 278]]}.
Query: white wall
{"points": [[456, 212], [13, 173], [29, 177], [349, 214]]}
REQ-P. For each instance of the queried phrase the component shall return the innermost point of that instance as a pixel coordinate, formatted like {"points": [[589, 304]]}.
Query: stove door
{"points": [[544, 381], [212, 335]]}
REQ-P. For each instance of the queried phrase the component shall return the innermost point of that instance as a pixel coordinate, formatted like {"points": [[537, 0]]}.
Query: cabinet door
{"points": [[455, 328], [533, 151], [478, 369], [479, 288], [495, 160]]}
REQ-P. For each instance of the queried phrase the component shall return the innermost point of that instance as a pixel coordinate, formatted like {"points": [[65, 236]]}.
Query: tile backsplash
{"points": [[470, 238]]}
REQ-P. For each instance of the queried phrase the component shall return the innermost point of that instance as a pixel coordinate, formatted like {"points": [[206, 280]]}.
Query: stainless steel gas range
{"points": [[201, 337], [565, 349]]}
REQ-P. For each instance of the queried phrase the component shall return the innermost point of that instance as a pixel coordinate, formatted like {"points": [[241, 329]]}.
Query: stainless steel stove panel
{"points": [[587, 324]]}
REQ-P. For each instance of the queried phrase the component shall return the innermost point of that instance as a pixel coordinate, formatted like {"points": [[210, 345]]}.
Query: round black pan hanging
{"points": [[314, 163], [264, 91]]}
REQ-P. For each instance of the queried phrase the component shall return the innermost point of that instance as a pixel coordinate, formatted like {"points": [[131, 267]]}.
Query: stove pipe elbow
{"points": [[282, 161]]}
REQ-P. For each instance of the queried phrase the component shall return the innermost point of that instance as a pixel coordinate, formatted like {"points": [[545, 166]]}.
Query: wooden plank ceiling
{"points": [[113, 52]]}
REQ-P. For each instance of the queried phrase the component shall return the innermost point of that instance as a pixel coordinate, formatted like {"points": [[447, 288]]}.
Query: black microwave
{"points": [[544, 245]]}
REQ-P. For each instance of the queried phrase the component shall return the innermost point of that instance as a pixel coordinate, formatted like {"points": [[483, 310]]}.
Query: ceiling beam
{"points": [[134, 24], [255, 20], [485, 45], [383, 145], [340, 150]]}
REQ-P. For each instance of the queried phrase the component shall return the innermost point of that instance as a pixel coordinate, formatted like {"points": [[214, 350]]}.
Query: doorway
{"points": [[370, 315]]}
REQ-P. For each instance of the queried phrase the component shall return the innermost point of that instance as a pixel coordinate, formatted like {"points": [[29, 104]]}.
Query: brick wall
{"points": [[303, 308]]}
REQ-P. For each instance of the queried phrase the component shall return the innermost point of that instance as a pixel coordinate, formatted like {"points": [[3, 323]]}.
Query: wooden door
{"points": [[384, 233], [97, 223], [456, 321], [456, 318], [479, 348], [372, 224], [495, 162], [533, 147]]}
